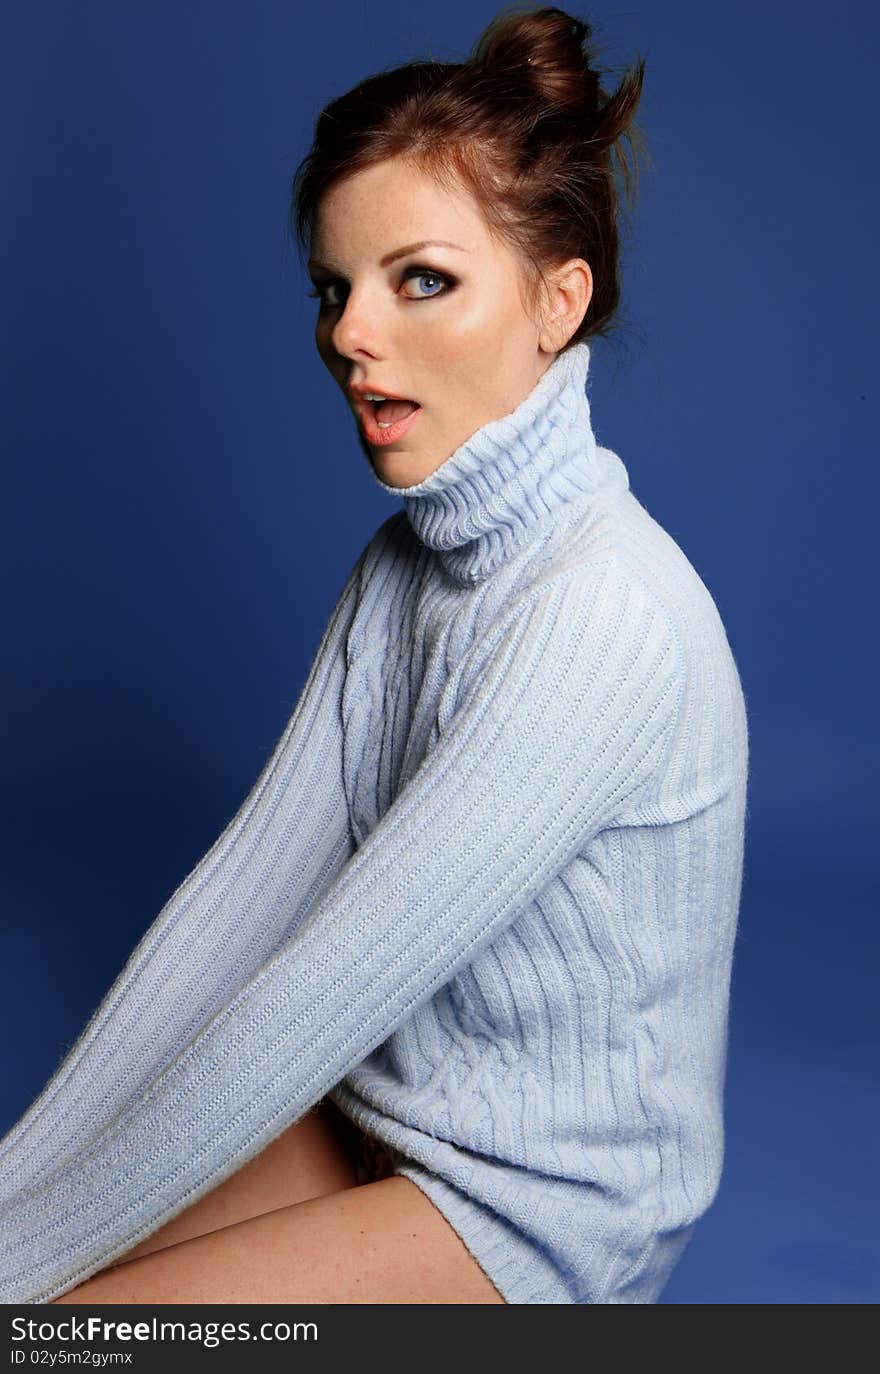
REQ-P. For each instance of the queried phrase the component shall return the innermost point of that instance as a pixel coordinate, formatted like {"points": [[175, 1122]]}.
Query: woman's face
{"points": [[442, 325]]}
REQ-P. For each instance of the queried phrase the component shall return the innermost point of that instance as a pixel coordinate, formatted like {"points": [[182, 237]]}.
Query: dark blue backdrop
{"points": [[183, 495]]}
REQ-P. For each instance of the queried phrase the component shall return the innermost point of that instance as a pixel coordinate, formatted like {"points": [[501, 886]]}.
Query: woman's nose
{"points": [[357, 327]]}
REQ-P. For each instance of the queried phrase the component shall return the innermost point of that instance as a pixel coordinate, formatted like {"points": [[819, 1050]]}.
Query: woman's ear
{"points": [[566, 295]]}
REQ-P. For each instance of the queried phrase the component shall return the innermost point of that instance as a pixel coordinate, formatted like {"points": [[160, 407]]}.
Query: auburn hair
{"points": [[523, 124]]}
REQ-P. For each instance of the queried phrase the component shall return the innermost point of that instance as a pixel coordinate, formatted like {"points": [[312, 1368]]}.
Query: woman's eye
{"points": [[427, 274], [424, 274], [319, 292]]}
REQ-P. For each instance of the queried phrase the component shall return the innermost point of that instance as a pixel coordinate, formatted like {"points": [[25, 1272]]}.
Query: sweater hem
{"points": [[514, 1267]]}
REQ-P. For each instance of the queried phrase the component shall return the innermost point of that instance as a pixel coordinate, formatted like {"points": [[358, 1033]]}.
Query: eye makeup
{"points": [[416, 270]]}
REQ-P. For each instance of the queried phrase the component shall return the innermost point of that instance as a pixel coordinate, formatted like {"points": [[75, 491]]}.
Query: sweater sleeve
{"points": [[558, 720], [247, 894]]}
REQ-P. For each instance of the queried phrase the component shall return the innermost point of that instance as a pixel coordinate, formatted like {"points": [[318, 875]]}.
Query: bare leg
{"points": [[312, 1157], [382, 1242]]}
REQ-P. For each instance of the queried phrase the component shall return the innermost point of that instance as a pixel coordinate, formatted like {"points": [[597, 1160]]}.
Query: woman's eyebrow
{"points": [[400, 252]]}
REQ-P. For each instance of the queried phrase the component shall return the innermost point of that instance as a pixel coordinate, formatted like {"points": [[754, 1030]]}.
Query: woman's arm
{"points": [[564, 719], [287, 841]]}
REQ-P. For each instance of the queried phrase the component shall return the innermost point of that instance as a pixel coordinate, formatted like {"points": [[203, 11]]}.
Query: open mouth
{"points": [[387, 420], [388, 413]]}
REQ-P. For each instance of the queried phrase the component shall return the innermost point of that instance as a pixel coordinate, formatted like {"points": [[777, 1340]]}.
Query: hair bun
{"points": [[549, 49]]}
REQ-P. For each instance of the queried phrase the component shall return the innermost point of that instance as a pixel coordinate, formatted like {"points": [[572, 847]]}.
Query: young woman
{"points": [[441, 1016]]}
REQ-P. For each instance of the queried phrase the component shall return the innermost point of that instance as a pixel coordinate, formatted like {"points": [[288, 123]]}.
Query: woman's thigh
{"points": [[314, 1156], [382, 1242]]}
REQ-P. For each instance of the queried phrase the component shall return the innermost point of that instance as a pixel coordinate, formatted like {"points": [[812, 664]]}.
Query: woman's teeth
{"points": [[393, 408], [370, 397]]}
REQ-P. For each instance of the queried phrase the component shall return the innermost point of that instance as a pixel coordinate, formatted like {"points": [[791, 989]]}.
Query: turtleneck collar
{"points": [[497, 490]]}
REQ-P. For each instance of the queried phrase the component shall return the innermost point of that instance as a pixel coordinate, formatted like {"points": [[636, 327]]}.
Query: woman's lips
{"points": [[375, 435]]}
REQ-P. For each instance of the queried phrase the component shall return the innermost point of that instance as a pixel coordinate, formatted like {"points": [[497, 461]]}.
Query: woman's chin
{"points": [[395, 466], [397, 469]]}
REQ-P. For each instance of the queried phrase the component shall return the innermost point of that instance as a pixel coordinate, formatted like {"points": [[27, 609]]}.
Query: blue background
{"points": [[183, 495]]}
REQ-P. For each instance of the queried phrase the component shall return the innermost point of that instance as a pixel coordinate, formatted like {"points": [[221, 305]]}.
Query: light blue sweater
{"points": [[484, 894]]}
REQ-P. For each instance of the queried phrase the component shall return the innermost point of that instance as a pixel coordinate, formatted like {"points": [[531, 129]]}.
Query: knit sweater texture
{"points": [[484, 894]]}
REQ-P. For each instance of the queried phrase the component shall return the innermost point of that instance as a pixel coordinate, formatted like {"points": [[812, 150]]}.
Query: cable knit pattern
{"points": [[484, 894]]}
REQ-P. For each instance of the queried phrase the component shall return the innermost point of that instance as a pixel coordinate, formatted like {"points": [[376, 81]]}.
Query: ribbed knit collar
{"points": [[497, 490]]}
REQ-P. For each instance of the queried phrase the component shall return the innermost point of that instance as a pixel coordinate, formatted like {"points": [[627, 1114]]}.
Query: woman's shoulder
{"points": [[621, 545]]}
